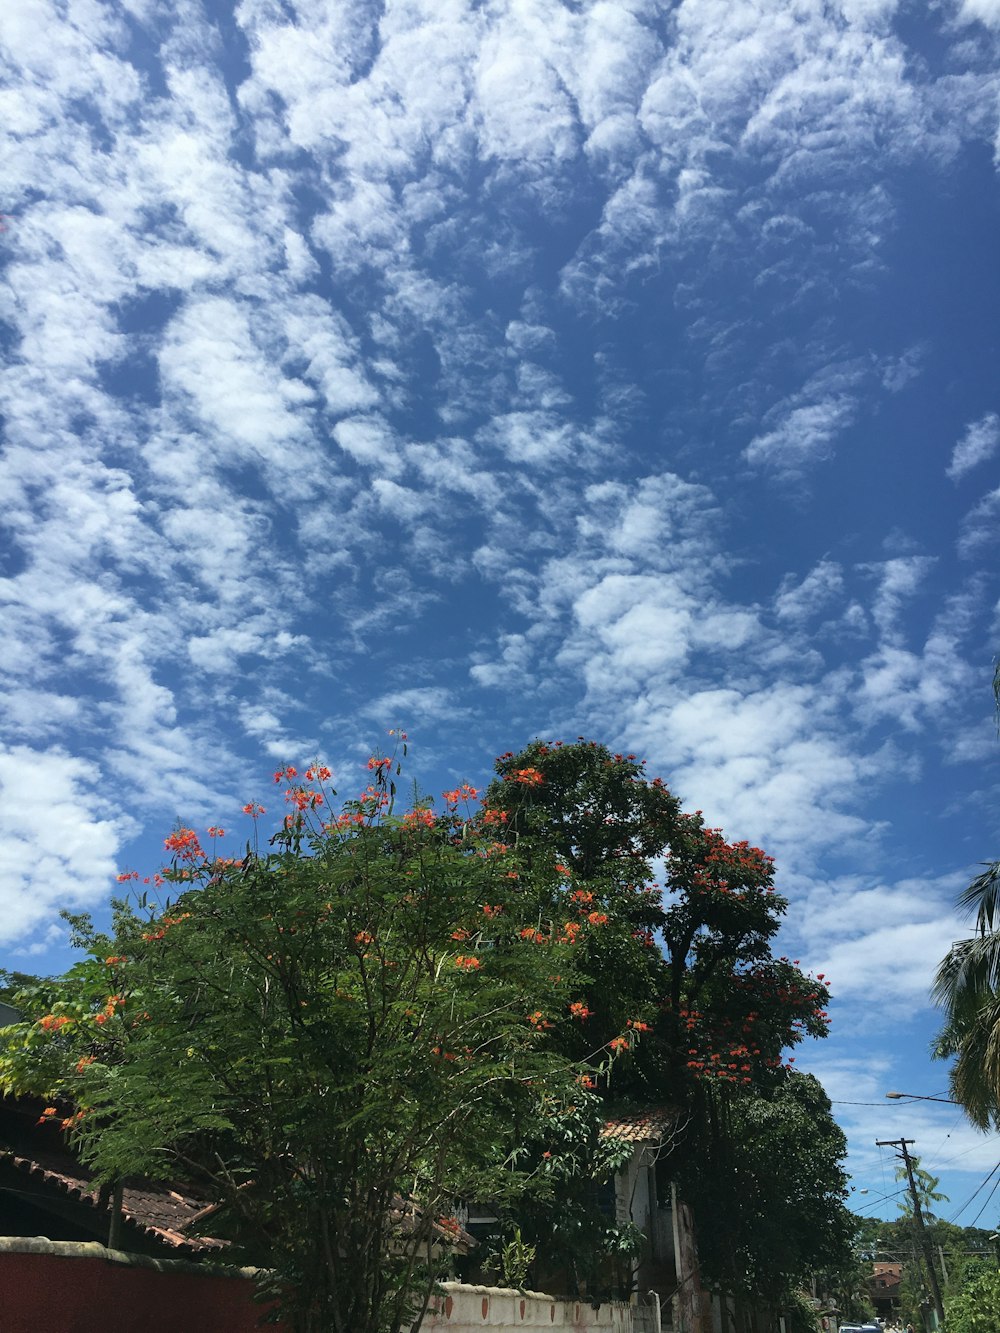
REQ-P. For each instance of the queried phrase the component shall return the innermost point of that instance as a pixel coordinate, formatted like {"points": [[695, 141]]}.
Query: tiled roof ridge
{"points": [[639, 1124], [80, 1188]]}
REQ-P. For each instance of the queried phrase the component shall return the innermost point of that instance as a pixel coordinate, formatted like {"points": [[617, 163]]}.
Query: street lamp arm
{"points": [[921, 1097]]}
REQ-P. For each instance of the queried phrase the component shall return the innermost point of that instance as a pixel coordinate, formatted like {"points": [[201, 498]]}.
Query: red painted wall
{"points": [[46, 1293]]}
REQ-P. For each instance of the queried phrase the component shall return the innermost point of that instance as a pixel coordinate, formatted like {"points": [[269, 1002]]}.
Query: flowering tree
{"points": [[673, 923], [673, 927], [343, 1032], [337, 1036]]}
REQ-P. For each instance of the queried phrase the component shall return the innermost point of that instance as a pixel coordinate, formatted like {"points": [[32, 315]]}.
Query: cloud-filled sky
{"points": [[529, 367]]}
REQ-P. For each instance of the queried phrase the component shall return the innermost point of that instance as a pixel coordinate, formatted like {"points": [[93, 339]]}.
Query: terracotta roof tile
{"points": [[156, 1210], [648, 1126]]}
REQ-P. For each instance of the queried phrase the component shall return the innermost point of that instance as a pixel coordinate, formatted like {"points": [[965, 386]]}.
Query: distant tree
{"points": [[11, 982]]}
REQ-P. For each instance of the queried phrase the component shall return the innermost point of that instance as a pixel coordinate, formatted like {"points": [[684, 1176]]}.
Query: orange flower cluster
{"points": [[526, 777], [419, 819], [494, 816], [184, 843], [253, 809], [597, 918], [304, 799], [462, 793], [320, 774], [538, 1021], [54, 1022], [579, 1010], [491, 912], [288, 772], [467, 963]]}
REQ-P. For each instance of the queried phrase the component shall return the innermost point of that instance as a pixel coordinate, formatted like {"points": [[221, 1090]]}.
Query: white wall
{"points": [[468, 1309]]}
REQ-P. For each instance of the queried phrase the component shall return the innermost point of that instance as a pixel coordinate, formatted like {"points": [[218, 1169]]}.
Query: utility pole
{"points": [[925, 1244]]}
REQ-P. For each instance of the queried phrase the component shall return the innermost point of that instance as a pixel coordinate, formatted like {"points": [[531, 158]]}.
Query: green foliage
{"points": [[516, 1258], [975, 1310], [768, 1188]]}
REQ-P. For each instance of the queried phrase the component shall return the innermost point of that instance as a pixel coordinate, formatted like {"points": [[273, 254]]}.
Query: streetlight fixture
{"points": [[921, 1097]]}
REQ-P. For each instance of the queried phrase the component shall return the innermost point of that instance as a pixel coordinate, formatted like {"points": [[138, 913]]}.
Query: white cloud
{"points": [[986, 12], [803, 435], [799, 601], [59, 836], [979, 443], [980, 526]]}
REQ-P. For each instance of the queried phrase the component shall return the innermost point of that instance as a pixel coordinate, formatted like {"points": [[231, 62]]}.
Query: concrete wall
{"points": [[468, 1309]]}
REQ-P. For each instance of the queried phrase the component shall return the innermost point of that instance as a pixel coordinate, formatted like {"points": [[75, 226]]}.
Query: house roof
{"points": [[648, 1126], [156, 1211]]}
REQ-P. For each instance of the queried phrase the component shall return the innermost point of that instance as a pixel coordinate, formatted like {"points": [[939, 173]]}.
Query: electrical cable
{"points": [[982, 1185], [996, 1185]]}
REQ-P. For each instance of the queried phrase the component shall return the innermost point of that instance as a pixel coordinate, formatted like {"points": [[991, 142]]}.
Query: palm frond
{"points": [[983, 895]]}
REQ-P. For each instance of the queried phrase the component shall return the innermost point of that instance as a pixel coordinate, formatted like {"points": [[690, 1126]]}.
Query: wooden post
{"points": [[115, 1224]]}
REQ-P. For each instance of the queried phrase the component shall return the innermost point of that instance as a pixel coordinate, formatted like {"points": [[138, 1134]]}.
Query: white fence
{"points": [[468, 1309]]}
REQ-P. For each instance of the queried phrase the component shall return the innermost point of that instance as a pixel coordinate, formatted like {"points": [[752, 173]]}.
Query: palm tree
{"points": [[967, 987]]}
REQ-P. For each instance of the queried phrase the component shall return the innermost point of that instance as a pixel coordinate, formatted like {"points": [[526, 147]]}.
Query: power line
{"points": [[988, 1197], [981, 1185]]}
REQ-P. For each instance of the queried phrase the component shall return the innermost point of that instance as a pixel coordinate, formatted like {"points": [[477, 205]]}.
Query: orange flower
{"points": [[597, 918], [415, 818], [618, 1044], [53, 1022], [527, 777], [467, 963], [579, 1010]]}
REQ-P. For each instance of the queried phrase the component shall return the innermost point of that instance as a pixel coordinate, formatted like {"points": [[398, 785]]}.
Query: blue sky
{"points": [[509, 369]]}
